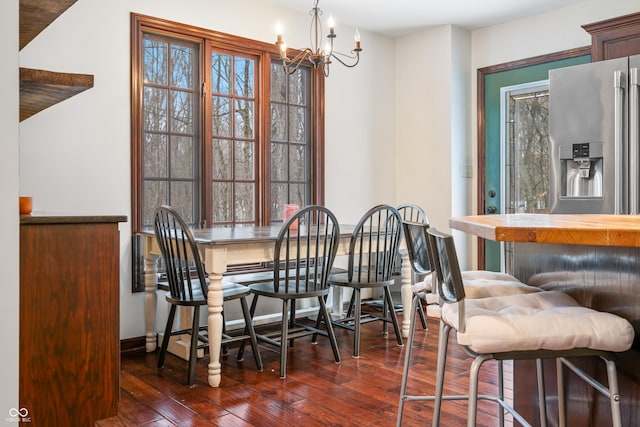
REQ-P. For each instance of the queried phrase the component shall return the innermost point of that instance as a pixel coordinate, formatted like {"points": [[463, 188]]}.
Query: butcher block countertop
{"points": [[582, 229]]}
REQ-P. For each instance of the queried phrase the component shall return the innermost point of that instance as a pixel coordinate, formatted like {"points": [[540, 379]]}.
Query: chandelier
{"points": [[319, 56]]}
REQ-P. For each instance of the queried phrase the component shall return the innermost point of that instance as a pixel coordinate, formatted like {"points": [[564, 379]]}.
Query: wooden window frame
{"points": [[141, 24]]}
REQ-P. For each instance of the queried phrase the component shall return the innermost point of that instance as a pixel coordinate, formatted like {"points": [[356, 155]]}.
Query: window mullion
{"points": [[207, 136]]}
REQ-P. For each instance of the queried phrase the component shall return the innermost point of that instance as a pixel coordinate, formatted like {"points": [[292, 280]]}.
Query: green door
{"points": [[493, 167]]}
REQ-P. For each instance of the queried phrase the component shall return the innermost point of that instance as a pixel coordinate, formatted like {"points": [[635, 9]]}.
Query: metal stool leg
{"points": [[443, 343], [501, 390], [473, 388], [407, 360], [614, 396], [542, 397], [562, 411]]}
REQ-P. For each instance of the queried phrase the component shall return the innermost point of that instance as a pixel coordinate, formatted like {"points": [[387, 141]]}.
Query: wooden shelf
{"points": [[36, 15], [40, 89]]}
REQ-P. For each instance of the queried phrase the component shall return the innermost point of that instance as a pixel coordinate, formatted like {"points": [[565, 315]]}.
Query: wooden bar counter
{"points": [[595, 259]]}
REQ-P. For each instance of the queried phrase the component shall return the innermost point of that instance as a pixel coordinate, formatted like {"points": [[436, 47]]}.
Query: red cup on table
{"points": [[289, 210]]}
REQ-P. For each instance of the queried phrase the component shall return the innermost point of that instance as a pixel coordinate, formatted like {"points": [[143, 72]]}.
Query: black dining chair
{"points": [[530, 326], [373, 253], [412, 213], [303, 258], [187, 285]]}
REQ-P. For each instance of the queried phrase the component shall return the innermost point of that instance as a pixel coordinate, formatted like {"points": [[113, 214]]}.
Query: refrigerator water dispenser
{"points": [[581, 170]]}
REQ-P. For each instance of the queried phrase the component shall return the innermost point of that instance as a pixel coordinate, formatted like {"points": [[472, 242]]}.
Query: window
{"points": [[219, 130]]}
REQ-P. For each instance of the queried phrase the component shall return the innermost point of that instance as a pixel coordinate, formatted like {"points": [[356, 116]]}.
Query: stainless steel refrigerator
{"points": [[594, 119]]}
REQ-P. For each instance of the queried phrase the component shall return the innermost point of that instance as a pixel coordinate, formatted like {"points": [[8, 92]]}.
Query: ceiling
{"points": [[396, 18]]}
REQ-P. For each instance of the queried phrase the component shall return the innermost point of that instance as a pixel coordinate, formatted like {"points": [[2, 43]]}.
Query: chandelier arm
{"points": [[335, 56], [299, 57]]}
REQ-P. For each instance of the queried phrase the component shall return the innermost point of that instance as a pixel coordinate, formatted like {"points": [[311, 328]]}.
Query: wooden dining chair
{"points": [[373, 253], [187, 285], [303, 258], [538, 325], [412, 213]]}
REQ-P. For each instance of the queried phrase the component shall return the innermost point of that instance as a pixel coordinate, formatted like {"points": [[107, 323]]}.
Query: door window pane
{"points": [[527, 149]]}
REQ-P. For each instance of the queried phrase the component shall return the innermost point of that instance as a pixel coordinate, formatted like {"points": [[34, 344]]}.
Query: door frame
{"points": [[481, 146]]}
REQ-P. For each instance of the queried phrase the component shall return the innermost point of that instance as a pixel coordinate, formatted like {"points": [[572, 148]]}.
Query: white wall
{"points": [[75, 156], [9, 258], [423, 116]]}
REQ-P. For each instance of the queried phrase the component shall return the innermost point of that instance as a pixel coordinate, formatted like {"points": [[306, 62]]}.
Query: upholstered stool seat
{"points": [[549, 320]]}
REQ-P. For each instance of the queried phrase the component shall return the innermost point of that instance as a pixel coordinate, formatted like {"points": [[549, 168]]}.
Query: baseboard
{"points": [[130, 345]]}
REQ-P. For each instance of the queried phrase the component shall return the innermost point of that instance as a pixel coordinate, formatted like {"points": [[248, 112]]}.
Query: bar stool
{"points": [[538, 325], [477, 284]]}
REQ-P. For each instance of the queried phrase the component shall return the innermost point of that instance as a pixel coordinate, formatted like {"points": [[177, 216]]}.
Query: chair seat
{"points": [[268, 289], [342, 279], [549, 320], [232, 291]]}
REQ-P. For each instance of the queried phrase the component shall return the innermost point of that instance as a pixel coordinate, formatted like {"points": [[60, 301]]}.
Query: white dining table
{"points": [[220, 248]]}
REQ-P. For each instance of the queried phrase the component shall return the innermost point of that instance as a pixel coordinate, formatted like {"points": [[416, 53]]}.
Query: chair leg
{"points": [[314, 337], [252, 311], [292, 318], [330, 332], [392, 314], [611, 391], [386, 313], [407, 360], [284, 341], [614, 393], [443, 344], [542, 396], [167, 336], [357, 315], [473, 388], [248, 322], [420, 309], [351, 303], [193, 351], [501, 390], [562, 413]]}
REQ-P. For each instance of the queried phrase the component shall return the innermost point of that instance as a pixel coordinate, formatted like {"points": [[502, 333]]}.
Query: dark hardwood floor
{"points": [[316, 392]]}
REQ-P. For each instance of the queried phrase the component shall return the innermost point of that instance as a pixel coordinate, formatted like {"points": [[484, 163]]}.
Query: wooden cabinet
{"points": [[614, 38], [69, 319]]}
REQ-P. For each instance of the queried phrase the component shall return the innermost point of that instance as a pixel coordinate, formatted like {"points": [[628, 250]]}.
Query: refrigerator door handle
{"points": [[634, 142], [618, 142]]}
